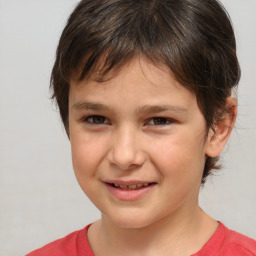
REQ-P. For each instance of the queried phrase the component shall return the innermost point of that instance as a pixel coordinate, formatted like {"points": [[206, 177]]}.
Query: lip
{"points": [[129, 194], [128, 183]]}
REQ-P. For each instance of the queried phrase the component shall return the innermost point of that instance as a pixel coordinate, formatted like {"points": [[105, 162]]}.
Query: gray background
{"points": [[40, 199]]}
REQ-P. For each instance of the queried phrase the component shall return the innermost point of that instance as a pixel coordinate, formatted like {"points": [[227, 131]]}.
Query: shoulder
{"points": [[239, 244], [66, 246], [226, 242]]}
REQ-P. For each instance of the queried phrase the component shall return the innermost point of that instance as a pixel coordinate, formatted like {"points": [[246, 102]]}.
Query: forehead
{"points": [[140, 79]]}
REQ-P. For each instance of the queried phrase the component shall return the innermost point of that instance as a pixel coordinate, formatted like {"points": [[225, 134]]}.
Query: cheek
{"points": [[179, 155], [86, 157], [86, 154]]}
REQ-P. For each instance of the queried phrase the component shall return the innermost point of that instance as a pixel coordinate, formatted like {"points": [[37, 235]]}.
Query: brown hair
{"points": [[194, 38]]}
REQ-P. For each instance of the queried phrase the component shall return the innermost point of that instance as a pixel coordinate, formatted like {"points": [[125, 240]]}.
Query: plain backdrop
{"points": [[40, 199]]}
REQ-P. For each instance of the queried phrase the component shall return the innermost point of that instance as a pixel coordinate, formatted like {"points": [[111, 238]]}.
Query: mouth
{"points": [[131, 186], [129, 190]]}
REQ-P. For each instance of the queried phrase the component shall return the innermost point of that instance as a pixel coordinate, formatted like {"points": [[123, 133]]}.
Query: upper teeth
{"points": [[132, 186]]}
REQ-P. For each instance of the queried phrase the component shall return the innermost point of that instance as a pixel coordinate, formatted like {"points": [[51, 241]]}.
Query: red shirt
{"points": [[224, 242]]}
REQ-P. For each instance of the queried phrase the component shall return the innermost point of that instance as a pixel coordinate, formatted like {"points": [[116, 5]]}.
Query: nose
{"points": [[126, 150]]}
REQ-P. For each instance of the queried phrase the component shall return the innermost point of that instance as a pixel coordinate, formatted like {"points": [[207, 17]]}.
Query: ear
{"points": [[217, 138]]}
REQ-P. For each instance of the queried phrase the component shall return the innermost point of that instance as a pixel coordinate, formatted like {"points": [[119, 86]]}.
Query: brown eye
{"points": [[96, 119], [160, 121]]}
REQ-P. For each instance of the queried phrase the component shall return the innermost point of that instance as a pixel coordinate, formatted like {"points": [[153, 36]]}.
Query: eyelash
{"points": [[93, 117], [163, 121], [167, 121]]}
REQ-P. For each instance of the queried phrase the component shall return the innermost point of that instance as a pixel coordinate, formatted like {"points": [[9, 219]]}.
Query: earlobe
{"points": [[218, 138]]}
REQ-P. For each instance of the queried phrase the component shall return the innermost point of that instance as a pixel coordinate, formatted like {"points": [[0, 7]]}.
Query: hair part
{"points": [[193, 38]]}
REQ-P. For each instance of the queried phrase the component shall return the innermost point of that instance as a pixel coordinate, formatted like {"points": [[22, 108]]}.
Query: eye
{"points": [[96, 120], [160, 121]]}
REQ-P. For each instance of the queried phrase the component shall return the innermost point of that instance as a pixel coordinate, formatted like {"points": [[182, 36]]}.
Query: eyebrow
{"points": [[90, 106], [154, 109], [146, 109]]}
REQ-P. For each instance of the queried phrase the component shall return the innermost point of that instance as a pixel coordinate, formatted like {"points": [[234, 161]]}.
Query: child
{"points": [[144, 91]]}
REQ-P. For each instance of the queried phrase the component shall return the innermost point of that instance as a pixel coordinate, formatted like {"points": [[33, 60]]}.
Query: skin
{"points": [[142, 125]]}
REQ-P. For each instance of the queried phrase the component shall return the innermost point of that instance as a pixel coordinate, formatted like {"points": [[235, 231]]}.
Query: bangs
{"points": [[109, 44]]}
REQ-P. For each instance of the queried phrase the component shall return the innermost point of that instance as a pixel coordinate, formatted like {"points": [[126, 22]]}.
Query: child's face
{"points": [[140, 127]]}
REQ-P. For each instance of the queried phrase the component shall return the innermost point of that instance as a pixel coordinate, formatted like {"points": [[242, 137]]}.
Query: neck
{"points": [[164, 237]]}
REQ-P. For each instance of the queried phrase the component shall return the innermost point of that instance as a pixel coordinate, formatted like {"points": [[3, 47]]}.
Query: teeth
{"points": [[130, 186]]}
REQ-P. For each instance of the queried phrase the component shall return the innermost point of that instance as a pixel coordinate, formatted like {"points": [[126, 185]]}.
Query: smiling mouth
{"points": [[131, 187]]}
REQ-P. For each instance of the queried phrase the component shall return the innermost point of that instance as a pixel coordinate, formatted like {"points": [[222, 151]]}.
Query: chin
{"points": [[132, 220]]}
